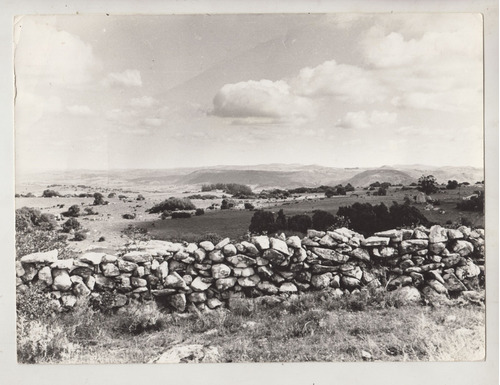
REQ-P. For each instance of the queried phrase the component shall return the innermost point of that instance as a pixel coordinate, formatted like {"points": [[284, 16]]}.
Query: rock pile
{"points": [[436, 261]]}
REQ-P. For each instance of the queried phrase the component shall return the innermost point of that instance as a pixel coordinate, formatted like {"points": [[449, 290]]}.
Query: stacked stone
{"points": [[435, 260]]}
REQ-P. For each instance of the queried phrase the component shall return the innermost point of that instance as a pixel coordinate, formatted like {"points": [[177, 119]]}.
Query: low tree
{"points": [[452, 185], [427, 184]]}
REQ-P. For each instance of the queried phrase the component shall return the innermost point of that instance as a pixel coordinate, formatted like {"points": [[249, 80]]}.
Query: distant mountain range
{"points": [[264, 176]]}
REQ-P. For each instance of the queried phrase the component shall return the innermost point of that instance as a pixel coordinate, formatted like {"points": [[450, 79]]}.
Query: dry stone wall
{"points": [[432, 261]]}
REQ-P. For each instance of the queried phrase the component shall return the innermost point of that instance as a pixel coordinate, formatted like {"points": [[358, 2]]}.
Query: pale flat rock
{"points": [[42, 257], [188, 354]]}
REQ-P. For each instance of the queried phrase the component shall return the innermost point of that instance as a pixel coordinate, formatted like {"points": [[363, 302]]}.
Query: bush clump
{"points": [[474, 203], [28, 219], [172, 204], [73, 211], [199, 212], [128, 216], [80, 236], [50, 194], [71, 224]]}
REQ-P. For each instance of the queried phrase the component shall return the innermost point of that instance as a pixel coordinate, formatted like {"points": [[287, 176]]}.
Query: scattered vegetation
{"points": [[308, 327], [28, 219]]}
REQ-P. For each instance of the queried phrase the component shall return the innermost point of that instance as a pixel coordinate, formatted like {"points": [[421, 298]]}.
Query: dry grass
{"points": [[309, 328]]}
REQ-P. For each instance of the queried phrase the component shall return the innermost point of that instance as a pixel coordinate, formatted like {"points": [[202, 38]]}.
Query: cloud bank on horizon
{"points": [[174, 91]]}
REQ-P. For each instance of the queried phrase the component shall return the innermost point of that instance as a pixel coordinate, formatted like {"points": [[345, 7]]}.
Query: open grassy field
{"points": [[228, 223], [306, 328]]}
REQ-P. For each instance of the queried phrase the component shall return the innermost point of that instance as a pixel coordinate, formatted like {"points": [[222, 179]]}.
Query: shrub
{"points": [[40, 241], [111, 195], [368, 219], [180, 214], [99, 199], [33, 304], [28, 218], [452, 185], [71, 224], [50, 194], [73, 211], [40, 342], [227, 204], [80, 236], [136, 233], [262, 221], [300, 223], [140, 197], [475, 203], [381, 191], [249, 206], [212, 237], [138, 318], [199, 212], [172, 204], [321, 220], [128, 216], [101, 239]]}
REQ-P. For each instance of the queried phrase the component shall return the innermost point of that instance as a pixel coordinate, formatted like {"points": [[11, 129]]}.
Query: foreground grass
{"points": [[308, 328]]}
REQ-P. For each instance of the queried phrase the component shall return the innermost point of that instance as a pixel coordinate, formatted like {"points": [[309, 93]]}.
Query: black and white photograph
{"points": [[250, 188]]}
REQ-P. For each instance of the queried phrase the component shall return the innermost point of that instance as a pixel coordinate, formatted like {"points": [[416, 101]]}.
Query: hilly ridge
{"points": [[263, 176]]}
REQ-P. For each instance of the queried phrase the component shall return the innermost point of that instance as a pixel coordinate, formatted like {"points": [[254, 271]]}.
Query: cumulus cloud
{"points": [[347, 82], [127, 78], [262, 100], [436, 65], [361, 119], [79, 110], [47, 56], [143, 102]]}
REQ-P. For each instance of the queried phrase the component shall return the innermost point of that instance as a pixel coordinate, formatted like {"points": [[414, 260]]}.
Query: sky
{"points": [[339, 90]]}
